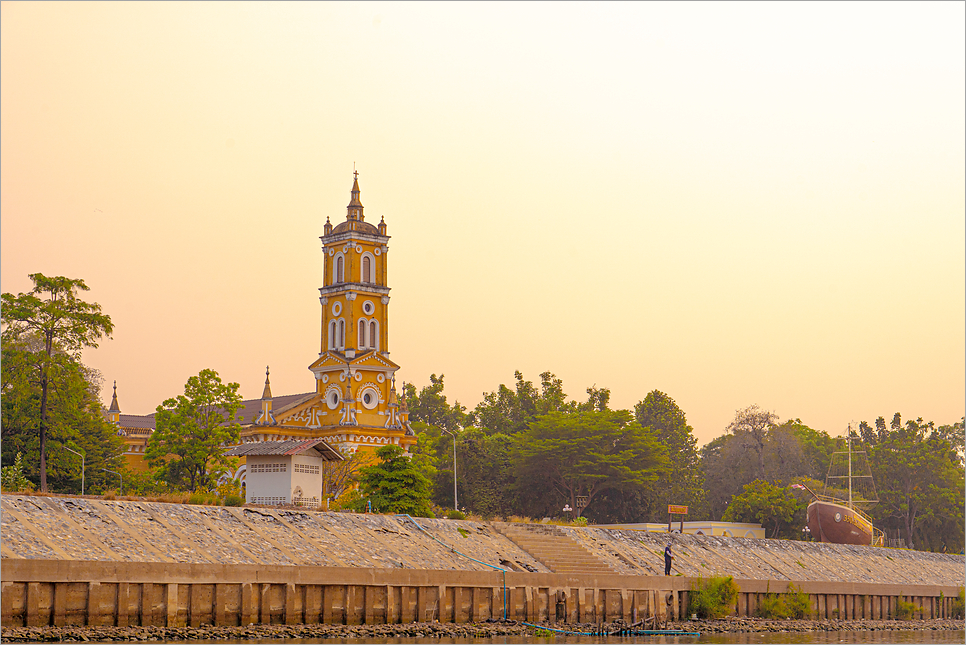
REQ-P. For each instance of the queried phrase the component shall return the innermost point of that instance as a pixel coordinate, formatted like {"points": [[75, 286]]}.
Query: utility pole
{"points": [[456, 504]]}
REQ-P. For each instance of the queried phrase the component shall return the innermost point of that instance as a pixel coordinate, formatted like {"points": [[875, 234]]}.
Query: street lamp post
{"points": [[82, 466], [456, 505], [119, 475]]}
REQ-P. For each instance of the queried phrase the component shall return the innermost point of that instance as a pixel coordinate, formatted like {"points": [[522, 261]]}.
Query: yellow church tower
{"points": [[355, 403]]}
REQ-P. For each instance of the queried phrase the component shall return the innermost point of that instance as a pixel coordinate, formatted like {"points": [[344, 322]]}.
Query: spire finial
{"points": [[355, 204]]}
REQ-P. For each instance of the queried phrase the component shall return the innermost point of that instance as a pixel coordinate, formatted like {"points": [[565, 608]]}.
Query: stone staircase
{"points": [[553, 547]]}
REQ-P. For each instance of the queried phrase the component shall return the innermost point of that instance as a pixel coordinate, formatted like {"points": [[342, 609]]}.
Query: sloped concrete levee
{"points": [[73, 561]]}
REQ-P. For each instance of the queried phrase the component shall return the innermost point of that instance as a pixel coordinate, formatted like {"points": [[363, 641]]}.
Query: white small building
{"points": [[284, 472]]}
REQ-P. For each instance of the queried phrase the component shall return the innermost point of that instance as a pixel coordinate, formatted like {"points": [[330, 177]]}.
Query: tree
{"points": [[74, 418], [509, 412], [430, 406], [919, 476], [395, 484], [339, 476], [581, 454], [53, 312], [187, 446], [778, 511], [684, 481], [751, 425]]}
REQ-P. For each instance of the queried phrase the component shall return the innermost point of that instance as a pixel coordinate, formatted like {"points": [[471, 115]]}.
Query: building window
{"points": [[373, 335], [341, 333], [339, 268], [367, 268], [362, 334], [332, 328]]}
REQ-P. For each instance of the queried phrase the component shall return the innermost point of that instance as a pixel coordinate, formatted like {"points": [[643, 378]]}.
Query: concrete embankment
{"points": [[71, 561]]}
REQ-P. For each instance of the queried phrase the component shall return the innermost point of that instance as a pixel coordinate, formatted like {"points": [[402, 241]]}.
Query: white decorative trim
{"points": [[325, 378], [368, 308], [358, 376], [358, 249], [381, 377], [336, 308], [378, 252], [331, 252], [385, 300]]}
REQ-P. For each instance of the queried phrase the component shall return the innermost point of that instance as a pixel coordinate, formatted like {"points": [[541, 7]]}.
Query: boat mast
{"points": [[848, 441]]}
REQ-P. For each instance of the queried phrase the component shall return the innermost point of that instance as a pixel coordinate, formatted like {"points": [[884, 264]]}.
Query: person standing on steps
{"points": [[668, 556]]}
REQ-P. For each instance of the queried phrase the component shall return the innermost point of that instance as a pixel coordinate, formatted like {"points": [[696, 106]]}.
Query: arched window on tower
{"points": [[341, 333], [373, 334], [362, 334], [332, 328], [340, 269], [367, 268]]}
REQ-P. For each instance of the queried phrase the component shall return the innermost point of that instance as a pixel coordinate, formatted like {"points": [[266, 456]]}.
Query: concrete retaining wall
{"points": [[59, 592]]}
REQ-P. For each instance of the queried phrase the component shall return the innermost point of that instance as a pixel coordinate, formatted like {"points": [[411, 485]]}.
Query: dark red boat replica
{"points": [[831, 519]]}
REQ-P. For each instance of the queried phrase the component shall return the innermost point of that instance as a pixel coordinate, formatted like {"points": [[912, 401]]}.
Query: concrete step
{"points": [[555, 549]]}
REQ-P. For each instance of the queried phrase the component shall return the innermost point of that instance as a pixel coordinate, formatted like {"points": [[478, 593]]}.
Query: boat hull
{"points": [[838, 524]]}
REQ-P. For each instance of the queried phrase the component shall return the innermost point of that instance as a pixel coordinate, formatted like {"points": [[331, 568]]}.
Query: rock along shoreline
{"points": [[441, 630]]}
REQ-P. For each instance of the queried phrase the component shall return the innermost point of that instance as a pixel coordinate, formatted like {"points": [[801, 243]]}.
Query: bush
{"points": [[12, 478], [798, 603], [233, 500], [713, 598], [455, 515], [905, 610], [772, 605], [959, 604], [203, 497]]}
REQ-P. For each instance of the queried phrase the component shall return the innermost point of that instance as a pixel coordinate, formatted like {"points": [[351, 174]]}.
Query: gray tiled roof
{"points": [[314, 447]]}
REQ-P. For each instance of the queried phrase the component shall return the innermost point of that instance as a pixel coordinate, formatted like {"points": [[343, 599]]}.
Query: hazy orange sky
{"points": [[732, 203]]}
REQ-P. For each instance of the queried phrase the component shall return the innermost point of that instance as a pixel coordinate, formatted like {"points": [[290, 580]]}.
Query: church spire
{"points": [[267, 392], [114, 406], [355, 204]]}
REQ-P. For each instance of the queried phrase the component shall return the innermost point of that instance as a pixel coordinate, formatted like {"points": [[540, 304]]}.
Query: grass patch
{"points": [[714, 597], [463, 531], [455, 515]]}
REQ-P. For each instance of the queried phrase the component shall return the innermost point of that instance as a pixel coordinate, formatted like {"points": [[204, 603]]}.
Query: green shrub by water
{"points": [[959, 604], [793, 604], [714, 597], [455, 515], [905, 610]]}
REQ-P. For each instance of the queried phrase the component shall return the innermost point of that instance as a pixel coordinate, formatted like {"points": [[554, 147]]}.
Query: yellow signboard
{"points": [[677, 510]]}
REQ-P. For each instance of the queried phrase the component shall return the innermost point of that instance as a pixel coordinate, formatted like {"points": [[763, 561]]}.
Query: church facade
{"points": [[354, 404]]}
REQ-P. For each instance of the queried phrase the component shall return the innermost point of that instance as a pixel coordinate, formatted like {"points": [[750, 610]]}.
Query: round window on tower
{"points": [[332, 399], [370, 398], [368, 307]]}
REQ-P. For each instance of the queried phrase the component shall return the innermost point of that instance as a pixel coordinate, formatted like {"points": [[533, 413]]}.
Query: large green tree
{"points": [[563, 456], [74, 419], [191, 431], [64, 323], [395, 484], [919, 476], [684, 481]]}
